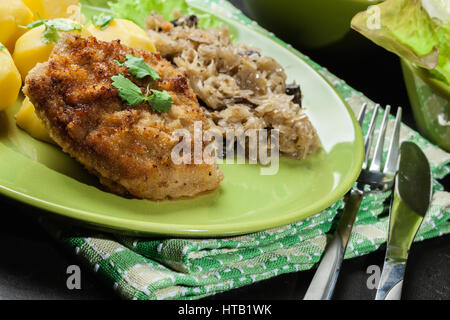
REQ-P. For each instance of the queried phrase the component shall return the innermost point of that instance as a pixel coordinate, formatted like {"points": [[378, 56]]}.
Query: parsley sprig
{"points": [[139, 68], [159, 101], [102, 21], [128, 91], [50, 33]]}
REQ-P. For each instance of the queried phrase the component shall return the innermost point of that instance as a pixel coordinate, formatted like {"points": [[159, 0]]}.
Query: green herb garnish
{"points": [[102, 21], [50, 33], [139, 68], [63, 25], [34, 24], [2, 47], [159, 101], [128, 91]]}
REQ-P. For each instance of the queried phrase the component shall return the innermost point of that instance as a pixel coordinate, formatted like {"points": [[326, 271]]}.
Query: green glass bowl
{"points": [[313, 25], [430, 103]]}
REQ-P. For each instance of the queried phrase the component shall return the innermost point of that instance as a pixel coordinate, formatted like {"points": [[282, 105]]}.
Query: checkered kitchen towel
{"points": [[192, 269]]}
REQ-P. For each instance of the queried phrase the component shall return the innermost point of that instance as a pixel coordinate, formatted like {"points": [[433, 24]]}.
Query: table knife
{"points": [[412, 197]]}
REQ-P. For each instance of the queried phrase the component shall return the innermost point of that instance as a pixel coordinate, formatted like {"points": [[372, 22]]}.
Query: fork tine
{"points": [[362, 114], [368, 139], [378, 153], [392, 157]]}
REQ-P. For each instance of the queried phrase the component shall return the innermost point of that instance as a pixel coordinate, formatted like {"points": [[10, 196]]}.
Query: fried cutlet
{"points": [[127, 147]]}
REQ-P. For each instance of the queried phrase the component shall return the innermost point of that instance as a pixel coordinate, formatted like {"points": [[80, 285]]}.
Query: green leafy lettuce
{"points": [[138, 10], [412, 30]]}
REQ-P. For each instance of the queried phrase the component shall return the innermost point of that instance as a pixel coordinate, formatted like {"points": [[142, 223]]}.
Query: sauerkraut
{"points": [[238, 86]]}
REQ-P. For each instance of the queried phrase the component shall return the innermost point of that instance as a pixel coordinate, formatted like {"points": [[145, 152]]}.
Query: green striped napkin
{"points": [[191, 269]]}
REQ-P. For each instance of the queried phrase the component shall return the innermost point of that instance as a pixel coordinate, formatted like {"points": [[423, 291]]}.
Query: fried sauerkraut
{"points": [[238, 86]]}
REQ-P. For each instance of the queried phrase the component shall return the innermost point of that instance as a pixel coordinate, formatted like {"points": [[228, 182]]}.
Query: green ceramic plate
{"points": [[41, 175]]}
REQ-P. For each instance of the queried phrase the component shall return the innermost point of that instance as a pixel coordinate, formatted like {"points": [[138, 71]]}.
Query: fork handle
{"points": [[324, 281]]}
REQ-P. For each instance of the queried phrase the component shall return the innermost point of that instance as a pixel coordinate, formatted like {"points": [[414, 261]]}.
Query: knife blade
{"points": [[412, 197]]}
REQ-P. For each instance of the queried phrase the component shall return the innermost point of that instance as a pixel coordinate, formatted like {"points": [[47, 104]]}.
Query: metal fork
{"points": [[373, 178]]}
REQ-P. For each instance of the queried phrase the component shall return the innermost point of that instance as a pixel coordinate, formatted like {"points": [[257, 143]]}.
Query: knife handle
{"points": [[324, 281], [391, 282]]}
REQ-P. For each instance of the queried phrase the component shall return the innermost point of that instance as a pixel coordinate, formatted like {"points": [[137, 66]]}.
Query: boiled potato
{"points": [[13, 14], [129, 34], [30, 49], [51, 9], [27, 119], [10, 81]]}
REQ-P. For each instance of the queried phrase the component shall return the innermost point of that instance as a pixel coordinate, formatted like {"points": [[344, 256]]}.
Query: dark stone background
{"points": [[33, 265]]}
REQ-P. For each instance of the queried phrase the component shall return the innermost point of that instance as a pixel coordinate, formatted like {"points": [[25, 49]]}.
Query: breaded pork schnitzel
{"points": [[127, 147]]}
